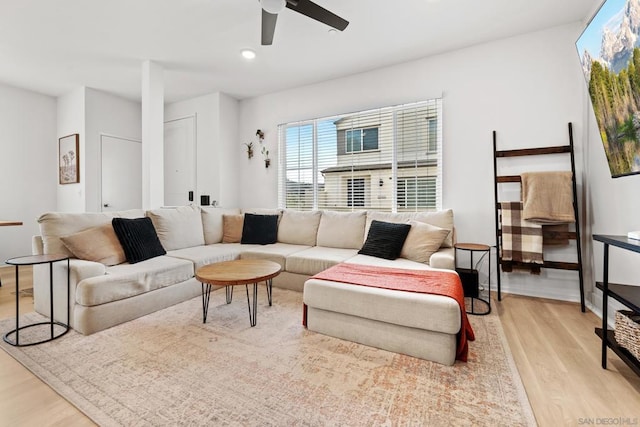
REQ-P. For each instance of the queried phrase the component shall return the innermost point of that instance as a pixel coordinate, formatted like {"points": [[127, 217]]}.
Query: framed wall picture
{"points": [[69, 159]]}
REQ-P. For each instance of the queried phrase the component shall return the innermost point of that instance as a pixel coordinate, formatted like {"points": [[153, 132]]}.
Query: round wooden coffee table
{"points": [[238, 272]]}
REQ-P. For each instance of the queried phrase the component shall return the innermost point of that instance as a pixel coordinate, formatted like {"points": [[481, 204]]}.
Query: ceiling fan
{"points": [[271, 8]]}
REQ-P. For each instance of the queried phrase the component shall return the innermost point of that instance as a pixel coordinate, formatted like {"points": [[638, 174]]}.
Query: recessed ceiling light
{"points": [[333, 31], [248, 54]]}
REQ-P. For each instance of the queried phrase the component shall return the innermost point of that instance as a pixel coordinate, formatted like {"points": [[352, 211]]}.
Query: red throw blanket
{"points": [[443, 283]]}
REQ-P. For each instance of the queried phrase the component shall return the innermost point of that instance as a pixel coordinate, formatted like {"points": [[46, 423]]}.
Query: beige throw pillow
{"points": [[232, 228], [442, 219], [98, 244], [212, 223], [423, 241]]}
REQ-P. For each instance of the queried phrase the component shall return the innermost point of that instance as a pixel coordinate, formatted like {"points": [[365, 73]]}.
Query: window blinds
{"points": [[387, 159]]}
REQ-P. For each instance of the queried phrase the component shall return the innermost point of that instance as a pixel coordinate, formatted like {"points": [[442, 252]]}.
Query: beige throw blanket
{"points": [[547, 197]]}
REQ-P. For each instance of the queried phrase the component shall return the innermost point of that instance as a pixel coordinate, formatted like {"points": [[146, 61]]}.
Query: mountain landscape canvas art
{"points": [[610, 50]]}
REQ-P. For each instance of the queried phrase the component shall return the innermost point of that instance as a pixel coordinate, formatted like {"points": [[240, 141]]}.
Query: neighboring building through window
{"points": [[361, 140], [387, 159], [417, 192], [355, 192]]}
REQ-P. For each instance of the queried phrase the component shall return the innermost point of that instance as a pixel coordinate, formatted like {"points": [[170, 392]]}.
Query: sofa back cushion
{"points": [[396, 218], [263, 211], [54, 225], [212, 223], [442, 219], [341, 229], [178, 228], [299, 227]]}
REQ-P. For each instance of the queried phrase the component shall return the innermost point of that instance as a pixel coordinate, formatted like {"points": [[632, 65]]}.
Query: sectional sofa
{"points": [[104, 295]]}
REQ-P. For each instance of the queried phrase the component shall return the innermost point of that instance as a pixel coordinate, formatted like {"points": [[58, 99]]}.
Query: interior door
{"points": [[121, 173], [179, 161]]}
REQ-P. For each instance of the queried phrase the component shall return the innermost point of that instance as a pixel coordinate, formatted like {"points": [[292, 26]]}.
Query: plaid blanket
{"points": [[521, 239]]}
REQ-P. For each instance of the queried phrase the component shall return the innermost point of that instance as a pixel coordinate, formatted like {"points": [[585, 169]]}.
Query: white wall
{"points": [[90, 113], [70, 110], [227, 152], [527, 88], [105, 114], [216, 136], [28, 165]]}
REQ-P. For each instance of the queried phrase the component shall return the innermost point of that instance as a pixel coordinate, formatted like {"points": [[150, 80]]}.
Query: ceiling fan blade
{"points": [[313, 11], [268, 27]]}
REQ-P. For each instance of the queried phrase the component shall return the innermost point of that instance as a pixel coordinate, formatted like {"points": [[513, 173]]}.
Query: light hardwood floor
{"points": [[553, 344]]}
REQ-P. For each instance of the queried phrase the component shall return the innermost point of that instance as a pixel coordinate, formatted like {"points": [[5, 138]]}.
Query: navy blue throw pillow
{"points": [[385, 239], [259, 229], [138, 238]]}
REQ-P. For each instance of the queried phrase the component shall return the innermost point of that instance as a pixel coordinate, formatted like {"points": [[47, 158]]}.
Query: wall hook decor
{"points": [[267, 160], [260, 135], [249, 150]]}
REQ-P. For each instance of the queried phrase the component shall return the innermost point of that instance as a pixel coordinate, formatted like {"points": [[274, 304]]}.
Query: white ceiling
{"points": [[53, 46]]}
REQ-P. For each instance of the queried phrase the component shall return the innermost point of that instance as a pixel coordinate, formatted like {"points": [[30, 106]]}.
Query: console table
{"points": [[626, 294], [4, 223]]}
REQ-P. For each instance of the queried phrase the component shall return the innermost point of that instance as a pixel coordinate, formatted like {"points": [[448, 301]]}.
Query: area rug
{"points": [[168, 368]]}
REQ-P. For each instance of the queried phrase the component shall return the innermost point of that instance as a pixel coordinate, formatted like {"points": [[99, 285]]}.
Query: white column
{"points": [[152, 135]]}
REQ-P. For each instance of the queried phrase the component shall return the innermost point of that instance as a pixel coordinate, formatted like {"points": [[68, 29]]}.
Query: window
{"points": [[361, 140], [355, 192], [417, 192], [387, 159]]}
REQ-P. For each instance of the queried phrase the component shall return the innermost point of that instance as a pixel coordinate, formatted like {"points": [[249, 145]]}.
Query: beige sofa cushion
{"points": [[381, 262], [99, 244], [422, 241], [179, 227], [415, 310], [298, 227], [341, 229], [442, 219], [397, 218], [54, 225], [232, 228], [212, 223], [276, 252], [314, 260], [203, 255], [127, 280], [264, 211]]}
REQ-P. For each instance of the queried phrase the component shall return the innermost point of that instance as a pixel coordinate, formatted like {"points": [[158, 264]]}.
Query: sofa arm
{"points": [[37, 246], [78, 271], [444, 258]]}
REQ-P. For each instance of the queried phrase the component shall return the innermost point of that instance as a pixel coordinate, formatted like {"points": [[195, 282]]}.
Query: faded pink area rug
{"points": [[168, 368]]}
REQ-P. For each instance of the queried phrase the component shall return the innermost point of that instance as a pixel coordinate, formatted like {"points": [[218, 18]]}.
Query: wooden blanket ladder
{"points": [[572, 235]]}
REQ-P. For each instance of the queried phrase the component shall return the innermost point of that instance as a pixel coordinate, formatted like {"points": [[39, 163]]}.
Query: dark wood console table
{"points": [[4, 223], [628, 295]]}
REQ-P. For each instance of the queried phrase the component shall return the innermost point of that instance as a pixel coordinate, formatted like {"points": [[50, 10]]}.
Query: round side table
{"points": [[469, 278], [33, 260]]}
